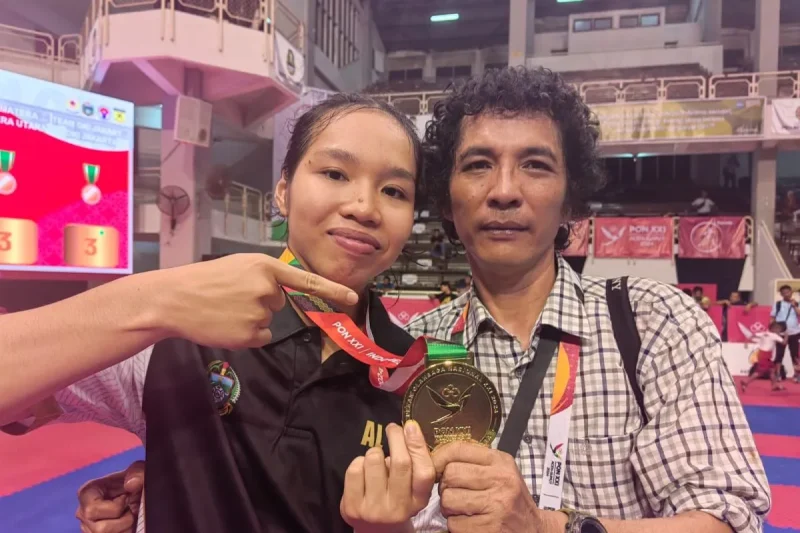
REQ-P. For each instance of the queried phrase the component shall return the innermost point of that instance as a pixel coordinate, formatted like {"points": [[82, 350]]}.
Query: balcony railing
{"points": [[243, 207], [784, 84]]}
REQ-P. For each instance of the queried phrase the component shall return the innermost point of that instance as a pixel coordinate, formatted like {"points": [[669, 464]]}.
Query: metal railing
{"points": [[248, 205], [783, 84], [31, 47], [264, 16]]}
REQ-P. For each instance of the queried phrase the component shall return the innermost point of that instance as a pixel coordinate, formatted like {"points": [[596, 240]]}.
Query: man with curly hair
{"points": [[511, 161]]}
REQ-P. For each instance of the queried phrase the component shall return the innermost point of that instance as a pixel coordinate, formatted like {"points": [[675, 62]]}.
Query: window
{"points": [[582, 25], [397, 75], [650, 20], [414, 74], [496, 66], [629, 21], [462, 71], [444, 72], [605, 23]]}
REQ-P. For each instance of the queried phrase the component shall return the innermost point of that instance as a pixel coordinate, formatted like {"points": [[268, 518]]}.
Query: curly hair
{"points": [[517, 90]]}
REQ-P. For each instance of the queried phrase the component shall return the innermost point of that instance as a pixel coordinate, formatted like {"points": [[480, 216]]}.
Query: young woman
{"points": [[251, 414]]}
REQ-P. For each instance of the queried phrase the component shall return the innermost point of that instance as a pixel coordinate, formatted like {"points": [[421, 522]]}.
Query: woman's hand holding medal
{"points": [[381, 495], [229, 302]]}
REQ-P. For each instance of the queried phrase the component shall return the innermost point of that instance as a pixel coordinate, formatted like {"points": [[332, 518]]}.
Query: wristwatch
{"points": [[582, 523]]}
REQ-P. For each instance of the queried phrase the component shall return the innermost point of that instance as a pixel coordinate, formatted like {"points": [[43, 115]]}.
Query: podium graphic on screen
{"points": [[91, 246], [8, 183], [19, 241]]}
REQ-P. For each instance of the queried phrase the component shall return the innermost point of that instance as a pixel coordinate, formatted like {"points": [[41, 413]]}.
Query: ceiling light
{"points": [[567, 1], [444, 18]]}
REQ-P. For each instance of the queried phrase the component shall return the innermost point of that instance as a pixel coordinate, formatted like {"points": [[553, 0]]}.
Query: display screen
{"points": [[66, 179]]}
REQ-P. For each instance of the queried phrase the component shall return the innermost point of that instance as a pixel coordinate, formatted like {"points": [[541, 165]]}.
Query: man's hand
{"points": [[482, 491], [111, 504], [381, 495]]}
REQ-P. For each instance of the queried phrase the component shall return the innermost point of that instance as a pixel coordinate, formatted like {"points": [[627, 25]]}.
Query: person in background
{"points": [[786, 310], [445, 294], [385, 284], [440, 248], [763, 367], [465, 283], [697, 294], [703, 205], [730, 171], [734, 300]]}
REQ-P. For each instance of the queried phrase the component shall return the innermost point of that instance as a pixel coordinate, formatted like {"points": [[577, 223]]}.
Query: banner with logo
{"points": [[578, 240], [684, 119], [644, 238], [403, 310], [712, 237], [743, 324], [785, 116], [289, 62]]}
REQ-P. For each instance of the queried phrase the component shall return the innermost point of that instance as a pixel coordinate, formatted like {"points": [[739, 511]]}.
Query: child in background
{"points": [[764, 367]]}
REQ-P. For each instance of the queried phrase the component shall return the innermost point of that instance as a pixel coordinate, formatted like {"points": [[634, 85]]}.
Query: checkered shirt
{"points": [[695, 453]]}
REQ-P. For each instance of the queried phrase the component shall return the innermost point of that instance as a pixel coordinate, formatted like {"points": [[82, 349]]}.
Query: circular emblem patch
{"points": [[225, 387]]}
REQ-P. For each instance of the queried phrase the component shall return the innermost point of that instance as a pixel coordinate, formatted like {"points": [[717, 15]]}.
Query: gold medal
{"points": [[453, 401]]}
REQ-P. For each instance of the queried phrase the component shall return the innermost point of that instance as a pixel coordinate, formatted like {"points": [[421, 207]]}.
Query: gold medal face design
{"points": [[453, 401]]}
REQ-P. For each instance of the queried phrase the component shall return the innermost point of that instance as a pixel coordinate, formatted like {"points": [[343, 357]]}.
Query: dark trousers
{"points": [[793, 342]]}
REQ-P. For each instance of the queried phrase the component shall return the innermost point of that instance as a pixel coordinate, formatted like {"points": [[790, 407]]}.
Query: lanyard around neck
{"points": [[362, 346]]}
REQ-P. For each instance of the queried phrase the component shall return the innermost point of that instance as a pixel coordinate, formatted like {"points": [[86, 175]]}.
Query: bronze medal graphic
{"points": [[453, 401]]}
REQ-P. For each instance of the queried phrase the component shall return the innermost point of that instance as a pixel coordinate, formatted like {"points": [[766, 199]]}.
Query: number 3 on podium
{"points": [[91, 246], [19, 241]]}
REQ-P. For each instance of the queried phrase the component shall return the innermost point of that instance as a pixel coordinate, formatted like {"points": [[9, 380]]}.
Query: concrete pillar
{"points": [[310, 40], [764, 181], [520, 31], [712, 21], [367, 53], [428, 71], [767, 39], [478, 63], [186, 166]]}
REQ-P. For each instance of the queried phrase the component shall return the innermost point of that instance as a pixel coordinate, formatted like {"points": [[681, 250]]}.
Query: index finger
{"points": [[310, 283], [461, 452]]}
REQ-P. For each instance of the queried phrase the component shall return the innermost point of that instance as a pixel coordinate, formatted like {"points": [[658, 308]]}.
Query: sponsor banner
{"points": [[404, 310], [712, 237], [645, 238], [579, 240], [684, 119], [785, 116], [743, 324], [709, 289]]}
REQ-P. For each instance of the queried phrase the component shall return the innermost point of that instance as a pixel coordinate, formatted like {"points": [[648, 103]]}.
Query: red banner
{"points": [[579, 240], [641, 238], [712, 237], [743, 324], [715, 314], [404, 310]]}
